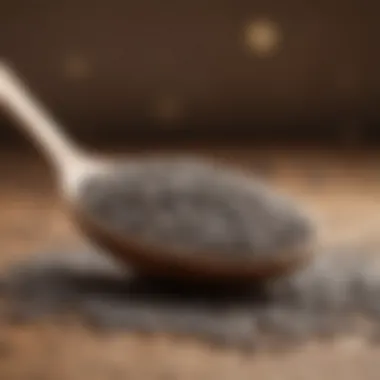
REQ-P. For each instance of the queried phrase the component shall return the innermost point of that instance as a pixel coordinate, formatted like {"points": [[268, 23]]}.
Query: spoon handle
{"points": [[35, 121]]}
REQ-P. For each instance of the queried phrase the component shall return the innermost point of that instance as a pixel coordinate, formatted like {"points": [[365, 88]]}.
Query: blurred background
{"points": [[153, 70], [288, 88]]}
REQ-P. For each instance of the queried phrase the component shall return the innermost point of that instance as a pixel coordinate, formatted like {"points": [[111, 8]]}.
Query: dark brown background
{"points": [[107, 67]]}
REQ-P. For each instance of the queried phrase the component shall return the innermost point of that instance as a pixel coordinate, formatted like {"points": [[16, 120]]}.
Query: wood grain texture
{"points": [[341, 189]]}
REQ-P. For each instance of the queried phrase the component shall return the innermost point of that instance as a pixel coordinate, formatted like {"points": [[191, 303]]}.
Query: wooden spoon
{"points": [[77, 171]]}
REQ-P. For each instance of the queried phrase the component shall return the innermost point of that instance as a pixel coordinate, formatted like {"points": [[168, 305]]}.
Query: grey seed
{"points": [[336, 294], [193, 206]]}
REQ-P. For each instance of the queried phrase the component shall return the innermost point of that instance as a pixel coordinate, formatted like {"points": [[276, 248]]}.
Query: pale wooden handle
{"points": [[33, 119]]}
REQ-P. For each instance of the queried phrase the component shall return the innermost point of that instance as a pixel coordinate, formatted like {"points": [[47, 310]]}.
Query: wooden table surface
{"points": [[341, 189]]}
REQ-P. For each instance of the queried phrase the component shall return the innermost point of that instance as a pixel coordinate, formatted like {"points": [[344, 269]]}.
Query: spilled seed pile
{"points": [[193, 207], [339, 292], [197, 208]]}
